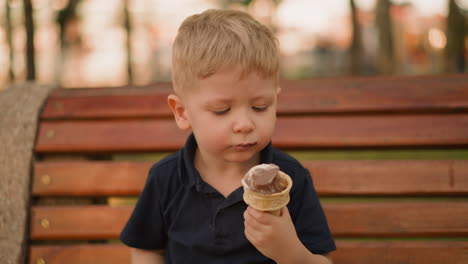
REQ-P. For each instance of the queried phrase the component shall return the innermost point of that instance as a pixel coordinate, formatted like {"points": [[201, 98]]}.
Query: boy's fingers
{"points": [[255, 236], [263, 218], [250, 229], [251, 221], [285, 212], [250, 234]]}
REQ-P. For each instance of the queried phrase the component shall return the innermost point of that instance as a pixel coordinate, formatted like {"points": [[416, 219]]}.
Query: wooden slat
{"points": [[110, 106], [402, 252], [353, 219], [80, 254], [84, 178], [374, 94], [370, 131], [327, 95], [408, 177], [78, 222], [127, 90], [292, 132], [121, 135], [362, 219], [348, 252], [385, 177]]}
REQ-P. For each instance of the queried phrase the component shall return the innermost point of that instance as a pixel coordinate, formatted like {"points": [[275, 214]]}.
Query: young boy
{"points": [[225, 78]]}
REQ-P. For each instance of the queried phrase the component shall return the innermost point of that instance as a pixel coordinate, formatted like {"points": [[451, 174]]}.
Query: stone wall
{"points": [[20, 106]]}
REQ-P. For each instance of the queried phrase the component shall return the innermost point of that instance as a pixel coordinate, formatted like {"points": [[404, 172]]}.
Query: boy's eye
{"points": [[260, 108], [221, 112]]}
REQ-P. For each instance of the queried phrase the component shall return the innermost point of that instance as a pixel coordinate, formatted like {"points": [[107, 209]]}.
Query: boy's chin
{"points": [[242, 157]]}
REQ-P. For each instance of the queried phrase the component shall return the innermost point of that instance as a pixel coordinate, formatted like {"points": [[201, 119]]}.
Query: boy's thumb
{"points": [[285, 212]]}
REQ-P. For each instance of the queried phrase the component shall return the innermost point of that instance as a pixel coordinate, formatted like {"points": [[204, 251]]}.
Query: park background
{"points": [[45, 44], [108, 43]]}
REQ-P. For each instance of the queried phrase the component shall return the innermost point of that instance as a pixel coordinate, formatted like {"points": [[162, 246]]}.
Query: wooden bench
{"points": [[388, 155]]}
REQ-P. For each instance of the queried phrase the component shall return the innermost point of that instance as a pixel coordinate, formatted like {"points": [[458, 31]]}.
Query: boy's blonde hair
{"points": [[213, 39]]}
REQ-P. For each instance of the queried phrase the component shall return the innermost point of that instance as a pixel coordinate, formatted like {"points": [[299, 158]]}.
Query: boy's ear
{"points": [[178, 109], [278, 90]]}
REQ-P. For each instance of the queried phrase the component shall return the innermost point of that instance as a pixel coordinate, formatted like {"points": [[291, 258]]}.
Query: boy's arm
{"points": [[300, 254], [140, 256], [276, 238]]}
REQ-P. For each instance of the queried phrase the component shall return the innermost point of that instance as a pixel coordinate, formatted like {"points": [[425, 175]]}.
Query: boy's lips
{"points": [[244, 146]]}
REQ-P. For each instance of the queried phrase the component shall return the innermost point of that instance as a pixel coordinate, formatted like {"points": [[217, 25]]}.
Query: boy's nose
{"points": [[243, 124]]}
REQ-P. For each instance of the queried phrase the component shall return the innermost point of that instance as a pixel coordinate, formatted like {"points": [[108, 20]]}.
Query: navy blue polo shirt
{"points": [[194, 223]]}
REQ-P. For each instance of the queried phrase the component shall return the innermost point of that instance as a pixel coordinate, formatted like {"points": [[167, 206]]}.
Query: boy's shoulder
{"points": [[165, 170], [167, 162]]}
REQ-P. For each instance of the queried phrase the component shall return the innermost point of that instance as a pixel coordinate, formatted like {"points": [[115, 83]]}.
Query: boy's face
{"points": [[232, 119]]}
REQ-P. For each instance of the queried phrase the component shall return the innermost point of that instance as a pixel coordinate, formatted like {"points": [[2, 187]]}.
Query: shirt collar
{"points": [[189, 174]]}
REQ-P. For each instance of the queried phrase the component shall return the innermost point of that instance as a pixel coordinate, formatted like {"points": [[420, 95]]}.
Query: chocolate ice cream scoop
{"points": [[264, 179]]}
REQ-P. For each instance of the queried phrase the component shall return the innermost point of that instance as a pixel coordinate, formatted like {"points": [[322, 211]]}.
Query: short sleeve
{"points": [[145, 228], [308, 216]]}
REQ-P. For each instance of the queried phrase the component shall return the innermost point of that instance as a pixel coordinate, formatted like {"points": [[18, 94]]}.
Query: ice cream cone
{"points": [[271, 203]]}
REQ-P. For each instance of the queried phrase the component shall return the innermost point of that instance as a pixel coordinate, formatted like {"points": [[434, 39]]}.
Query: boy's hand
{"points": [[274, 236]]}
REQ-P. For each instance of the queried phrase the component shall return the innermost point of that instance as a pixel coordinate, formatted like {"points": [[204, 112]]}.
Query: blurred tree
{"points": [[385, 59], [356, 51], [227, 3], [30, 52], [64, 17], [128, 30], [9, 33], [455, 48], [247, 4]]}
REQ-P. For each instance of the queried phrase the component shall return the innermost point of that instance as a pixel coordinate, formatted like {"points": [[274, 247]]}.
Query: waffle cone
{"points": [[268, 202]]}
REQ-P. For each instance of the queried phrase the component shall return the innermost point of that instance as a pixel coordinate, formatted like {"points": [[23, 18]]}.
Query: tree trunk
{"points": [[128, 30], [356, 42], [9, 38], [64, 16], [384, 24], [30, 52], [455, 48]]}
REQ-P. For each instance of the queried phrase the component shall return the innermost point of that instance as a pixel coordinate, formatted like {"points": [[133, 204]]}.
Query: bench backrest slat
{"points": [[80, 254], [292, 132], [329, 95], [345, 177], [351, 252], [352, 219], [414, 252]]}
